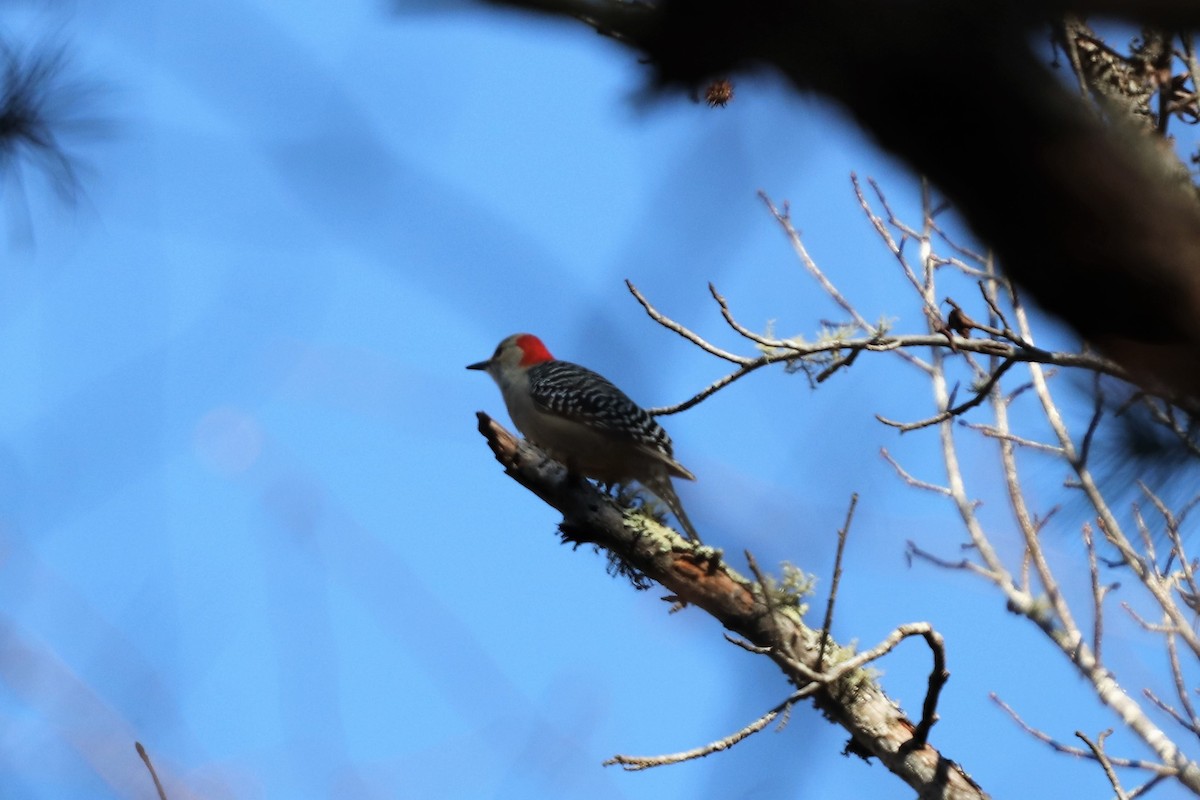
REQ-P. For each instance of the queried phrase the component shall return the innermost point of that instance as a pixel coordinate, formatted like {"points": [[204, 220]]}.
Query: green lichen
{"points": [[791, 591]]}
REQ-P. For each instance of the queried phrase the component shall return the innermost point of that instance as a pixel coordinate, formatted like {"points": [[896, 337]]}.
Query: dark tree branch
{"points": [[1092, 221]]}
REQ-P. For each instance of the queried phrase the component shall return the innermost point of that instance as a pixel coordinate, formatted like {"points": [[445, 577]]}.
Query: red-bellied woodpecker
{"points": [[582, 420]]}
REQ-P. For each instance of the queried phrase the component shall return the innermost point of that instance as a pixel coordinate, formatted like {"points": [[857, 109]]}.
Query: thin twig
{"points": [[937, 679], [1177, 548], [960, 265], [909, 479], [635, 763], [1168, 709], [1172, 523], [764, 585], [141, 751], [1162, 412], [1151, 559], [955, 411], [1006, 330], [1158, 503], [1147, 786], [911, 551], [1097, 748], [992, 432], [1146, 624], [881, 228], [692, 337], [1097, 412], [785, 221], [1098, 592], [833, 584], [1193, 724], [742, 330], [835, 365], [889, 642], [1132, 763], [748, 646], [707, 391]]}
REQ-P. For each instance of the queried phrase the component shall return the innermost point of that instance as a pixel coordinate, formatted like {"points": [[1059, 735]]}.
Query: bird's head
{"points": [[518, 352]]}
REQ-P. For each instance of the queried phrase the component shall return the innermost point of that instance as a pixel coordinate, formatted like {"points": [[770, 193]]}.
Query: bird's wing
{"points": [[578, 394]]}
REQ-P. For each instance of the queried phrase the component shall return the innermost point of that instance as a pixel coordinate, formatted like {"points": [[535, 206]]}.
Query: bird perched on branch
{"points": [[584, 421]]}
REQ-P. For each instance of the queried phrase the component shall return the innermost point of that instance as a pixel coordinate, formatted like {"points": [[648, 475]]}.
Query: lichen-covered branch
{"points": [[771, 623]]}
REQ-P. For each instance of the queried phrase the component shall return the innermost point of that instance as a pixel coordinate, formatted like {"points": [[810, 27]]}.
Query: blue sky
{"points": [[245, 515]]}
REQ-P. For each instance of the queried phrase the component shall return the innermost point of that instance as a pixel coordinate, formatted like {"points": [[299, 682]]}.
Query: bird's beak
{"points": [[482, 365]]}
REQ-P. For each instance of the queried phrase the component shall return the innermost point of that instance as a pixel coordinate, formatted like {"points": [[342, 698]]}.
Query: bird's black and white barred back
{"points": [[577, 393]]}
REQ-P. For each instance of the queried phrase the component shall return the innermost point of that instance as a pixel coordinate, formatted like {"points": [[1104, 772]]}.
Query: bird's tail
{"points": [[662, 488]]}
